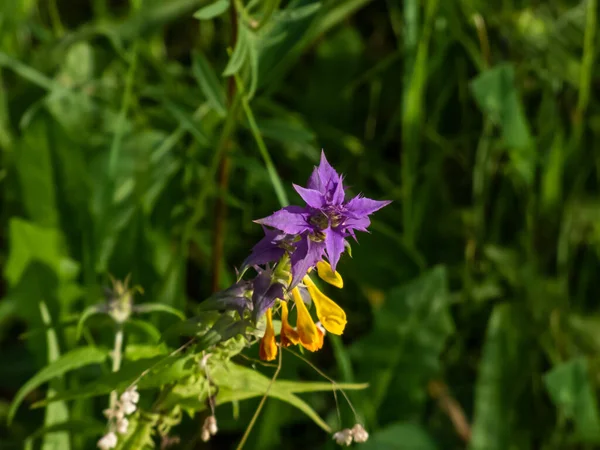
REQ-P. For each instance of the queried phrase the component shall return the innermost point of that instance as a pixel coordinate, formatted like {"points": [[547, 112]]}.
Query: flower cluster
{"points": [[209, 428], [348, 435], [117, 417], [298, 241]]}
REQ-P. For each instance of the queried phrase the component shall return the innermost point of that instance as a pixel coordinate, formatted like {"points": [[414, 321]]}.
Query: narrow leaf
{"points": [[209, 83], [69, 361], [213, 10]]}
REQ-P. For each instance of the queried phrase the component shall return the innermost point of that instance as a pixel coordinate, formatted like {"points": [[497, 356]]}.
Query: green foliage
{"points": [[142, 138]]}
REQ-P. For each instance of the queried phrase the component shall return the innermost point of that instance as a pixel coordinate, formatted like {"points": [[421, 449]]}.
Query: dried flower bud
{"points": [[122, 426], [211, 425], [205, 435], [359, 433], [343, 437], [108, 441]]}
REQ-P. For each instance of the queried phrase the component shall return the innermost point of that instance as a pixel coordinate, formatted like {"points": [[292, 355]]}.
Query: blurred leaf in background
{"points": [[142, 138]]}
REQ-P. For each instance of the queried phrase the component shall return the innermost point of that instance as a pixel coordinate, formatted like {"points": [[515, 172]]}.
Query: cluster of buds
{"points": [[348, 435], [209, 428], [117, 416]]}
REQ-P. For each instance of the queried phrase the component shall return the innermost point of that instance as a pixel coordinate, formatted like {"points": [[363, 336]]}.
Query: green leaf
{"points": [[400, 436], [572, 392], [87, 313], [240, 383], [239, 54], [503, 373], [402, 353], [158, 307], [496, 94], [69, 361], [209, 83], [161, 370], [36, 174], [30, 242], [213, 10], [87, 427]]}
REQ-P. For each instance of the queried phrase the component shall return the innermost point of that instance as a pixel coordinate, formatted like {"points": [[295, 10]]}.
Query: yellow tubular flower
{"points": [[268, 347], [328, 275], [288, 335], [332, 317], [307, 330]]}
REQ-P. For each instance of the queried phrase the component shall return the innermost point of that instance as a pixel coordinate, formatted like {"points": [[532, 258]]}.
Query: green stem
{"points": [[117, 355], [275, 180]]}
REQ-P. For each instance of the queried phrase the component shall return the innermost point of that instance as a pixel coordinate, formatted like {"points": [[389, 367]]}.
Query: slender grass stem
{"points": [[117, 355], [273, 176]]}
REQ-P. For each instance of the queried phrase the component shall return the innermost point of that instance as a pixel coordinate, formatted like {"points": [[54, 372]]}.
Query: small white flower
{"points": [[131, 395], [359, 433], [116, 413], [122, 426], [128, 408], [108, 441], [343, 437]]}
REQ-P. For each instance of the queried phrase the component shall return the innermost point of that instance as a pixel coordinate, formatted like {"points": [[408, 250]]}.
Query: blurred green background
{"points": [[129, 148]]}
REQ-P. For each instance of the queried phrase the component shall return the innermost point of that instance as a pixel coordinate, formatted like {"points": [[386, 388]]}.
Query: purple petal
{"points": [[290, 220], [360, 224], [305, 256], [266, 250], [338, 195], [314, 182], [334, 240], [361, 206], [327, 174], [310, 196]]}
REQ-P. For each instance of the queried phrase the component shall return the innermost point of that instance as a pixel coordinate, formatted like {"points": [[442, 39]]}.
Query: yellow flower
{"points": [[310, 336], [332, 317], [288, 335], [328, 275], [268, 347]]}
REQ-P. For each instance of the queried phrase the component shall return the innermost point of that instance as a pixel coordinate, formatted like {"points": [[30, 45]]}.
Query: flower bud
{"points": [[211, 425], [108, 441], [359, 433], [122, 426], [343, 437]]}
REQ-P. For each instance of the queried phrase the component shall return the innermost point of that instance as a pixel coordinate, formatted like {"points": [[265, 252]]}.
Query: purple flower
{"points": [[324, 224]]}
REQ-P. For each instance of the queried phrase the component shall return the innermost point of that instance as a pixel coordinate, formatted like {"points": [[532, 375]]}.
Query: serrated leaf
{"points": [[213, 10], [69, 361], [572, 393]]}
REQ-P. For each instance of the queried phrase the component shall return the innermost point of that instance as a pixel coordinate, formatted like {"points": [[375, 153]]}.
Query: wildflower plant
{"points": [[277, 283]]}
